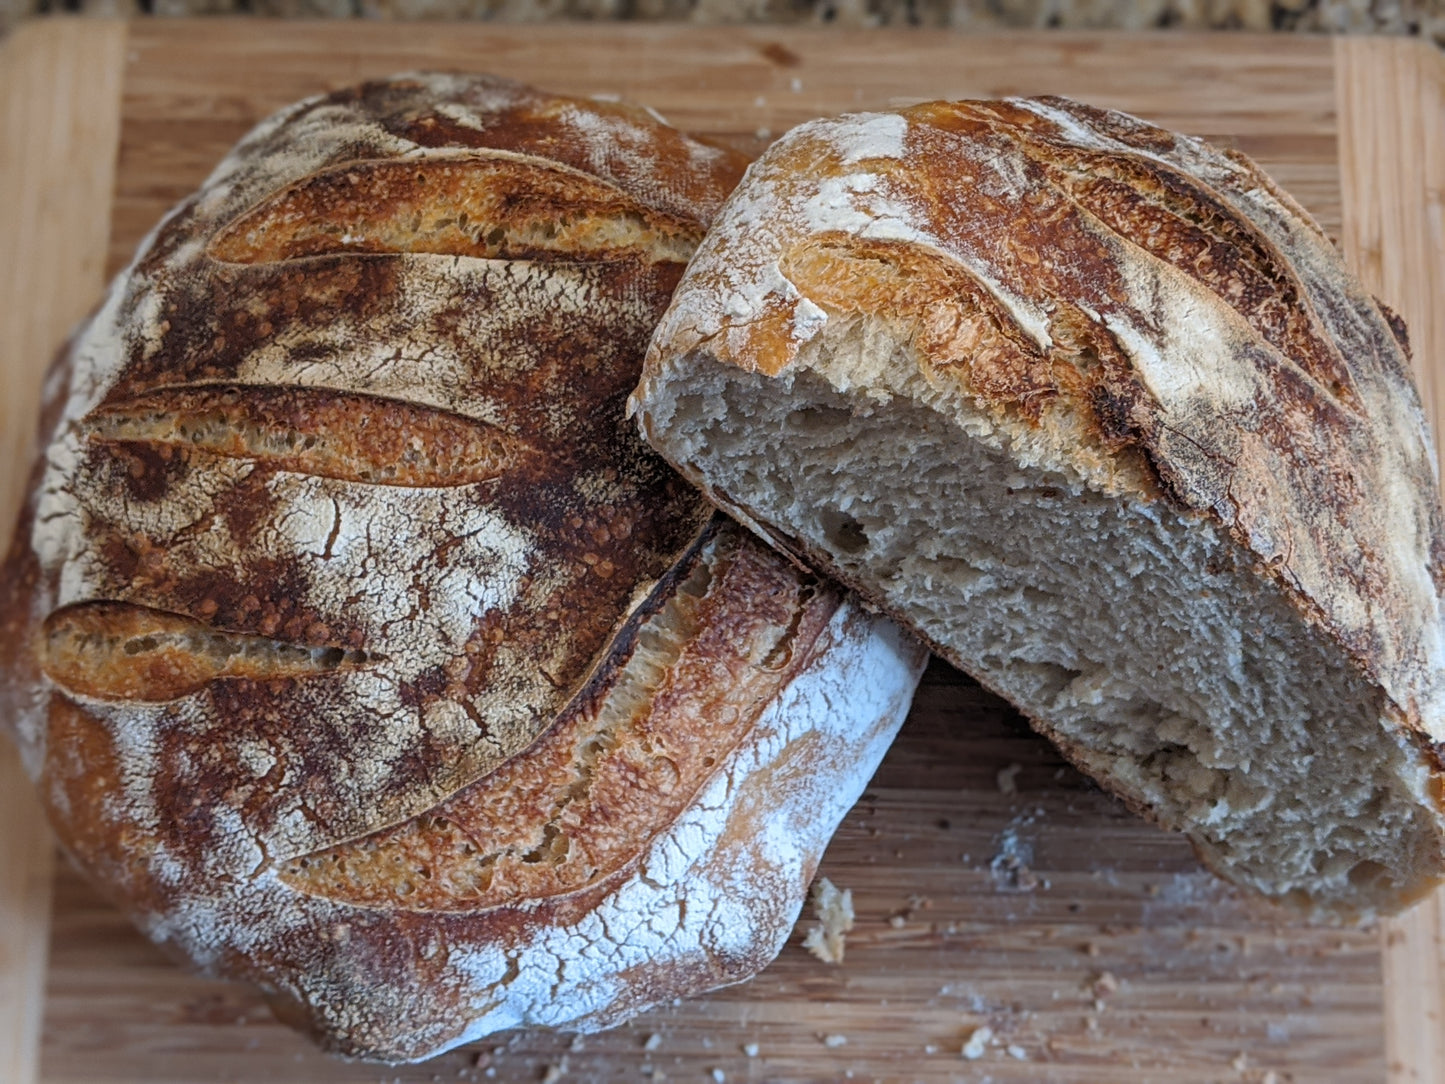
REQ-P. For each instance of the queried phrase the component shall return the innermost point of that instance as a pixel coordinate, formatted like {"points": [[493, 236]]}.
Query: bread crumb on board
{"points": [[1007, 779], [834, 911], [1102, 984], [1010, 866], [977, 1043]]}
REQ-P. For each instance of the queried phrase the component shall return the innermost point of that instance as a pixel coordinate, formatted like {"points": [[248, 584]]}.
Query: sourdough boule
{"points": [[359, 647]]}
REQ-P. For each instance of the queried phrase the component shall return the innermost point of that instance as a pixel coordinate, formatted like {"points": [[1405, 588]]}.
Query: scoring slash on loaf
{"points": [[1097, 410], [359, 647]]}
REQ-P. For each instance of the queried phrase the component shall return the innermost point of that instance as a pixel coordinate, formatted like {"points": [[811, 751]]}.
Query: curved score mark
{"points": [[505, 208], [1175, 218], [598, 787], [121, 651], [319, 431]]}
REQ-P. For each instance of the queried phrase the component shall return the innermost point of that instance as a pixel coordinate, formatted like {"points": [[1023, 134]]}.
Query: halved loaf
{"points": [[360, 648], [1098, 411]]}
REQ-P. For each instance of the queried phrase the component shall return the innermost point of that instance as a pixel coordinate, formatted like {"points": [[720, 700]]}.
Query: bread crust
{"points": [[360, 648]]}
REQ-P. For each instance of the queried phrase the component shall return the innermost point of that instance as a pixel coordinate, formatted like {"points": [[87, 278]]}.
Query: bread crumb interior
{"points": [[1137, 637]]}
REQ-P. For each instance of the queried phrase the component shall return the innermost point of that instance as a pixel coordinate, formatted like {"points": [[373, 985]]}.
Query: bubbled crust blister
{"points": [[339, 518], [1151, 311]]}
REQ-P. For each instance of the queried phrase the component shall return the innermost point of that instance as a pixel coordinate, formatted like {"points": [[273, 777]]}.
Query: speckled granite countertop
{"points": [[1420, 17]]}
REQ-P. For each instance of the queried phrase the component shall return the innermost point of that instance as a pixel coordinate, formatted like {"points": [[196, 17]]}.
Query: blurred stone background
{"points": [[1425, 18], [1422, 17]]}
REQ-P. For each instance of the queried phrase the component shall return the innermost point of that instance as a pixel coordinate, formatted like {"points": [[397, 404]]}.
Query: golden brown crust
{"points": [[345, 586]]}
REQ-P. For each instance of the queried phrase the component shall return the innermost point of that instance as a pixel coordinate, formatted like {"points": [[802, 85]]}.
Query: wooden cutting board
{"points": [[1023, 900]]}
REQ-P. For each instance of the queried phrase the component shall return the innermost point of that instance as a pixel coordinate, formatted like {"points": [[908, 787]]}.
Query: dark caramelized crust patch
{"points": [[332, 434], [1151, 204], [614, 770], [116, 651], [498, 208], [1191, 231]]}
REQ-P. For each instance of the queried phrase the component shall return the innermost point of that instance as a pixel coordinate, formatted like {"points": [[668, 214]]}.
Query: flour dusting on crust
{"points": [[429, 633]]}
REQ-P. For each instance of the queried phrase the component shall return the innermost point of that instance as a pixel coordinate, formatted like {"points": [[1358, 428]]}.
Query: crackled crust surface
{"points": [[360, 648], [1142, 311]]}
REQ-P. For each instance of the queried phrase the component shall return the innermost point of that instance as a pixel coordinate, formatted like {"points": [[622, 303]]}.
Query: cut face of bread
{"points": [[1212, 586]]}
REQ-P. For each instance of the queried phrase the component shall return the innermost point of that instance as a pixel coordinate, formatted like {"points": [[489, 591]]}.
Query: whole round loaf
{"points": [[359, 647], [1098, 410]]}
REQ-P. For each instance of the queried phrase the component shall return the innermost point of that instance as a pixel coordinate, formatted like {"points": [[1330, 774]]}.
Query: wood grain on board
{"points": [[1093, 945], [1391, 101], [59, 122]]}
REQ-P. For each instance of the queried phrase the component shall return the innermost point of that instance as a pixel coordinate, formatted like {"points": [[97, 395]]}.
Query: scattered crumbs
{"points": [[916, 903], [1007, 779], [1103, 983], [718, 1075], [653, 1042], [931, 1048], [977, 1043], [1240, 1062], [750, 1049], [555, 1073], [835, 1041], [796, 85], [1017, 1052], [1010, 866], [834, 911]]}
